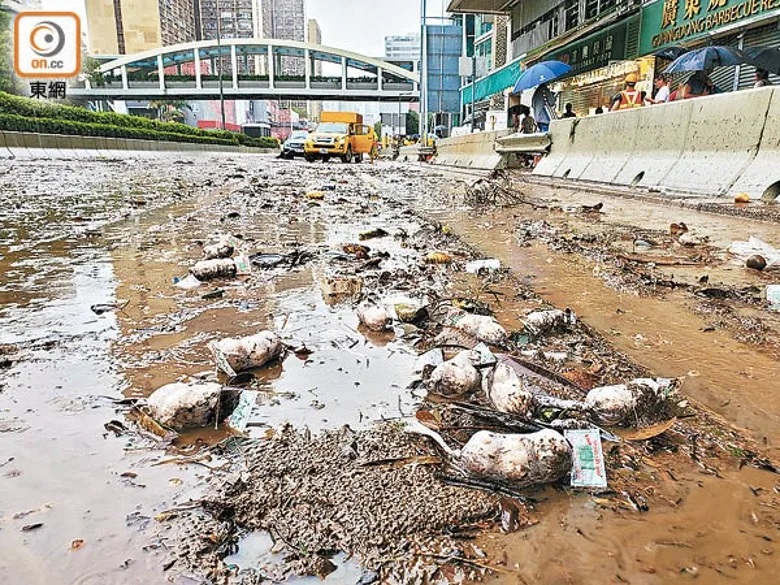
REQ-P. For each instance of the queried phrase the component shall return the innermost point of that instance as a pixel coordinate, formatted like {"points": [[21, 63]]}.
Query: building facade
{"points": [[285, 19], [119, 27], [314, 37], [605, 40], [403, 47], [233, 18]]}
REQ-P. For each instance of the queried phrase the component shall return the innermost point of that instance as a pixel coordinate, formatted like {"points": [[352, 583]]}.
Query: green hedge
{"points": [[28, 115], [13, 122]]}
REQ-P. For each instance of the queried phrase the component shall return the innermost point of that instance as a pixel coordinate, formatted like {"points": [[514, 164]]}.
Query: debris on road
{"points": [[639, 402], [99, 309], [234, 355], [217, 268], [198, 404], [588, 458], [530, 459], [374, 317], [373, 233], [222, 248], [541, 322], [456, 376], [438, 258], [488, 265], [481, 327]]}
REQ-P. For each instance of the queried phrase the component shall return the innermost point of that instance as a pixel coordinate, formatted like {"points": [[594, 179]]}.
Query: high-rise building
{"points": [[314, 37], [403, 47], [286, 20], [131, 26], [237, 18]]}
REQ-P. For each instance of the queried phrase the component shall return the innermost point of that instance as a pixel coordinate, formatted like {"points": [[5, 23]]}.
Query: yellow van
{"points": [[340, 134]]}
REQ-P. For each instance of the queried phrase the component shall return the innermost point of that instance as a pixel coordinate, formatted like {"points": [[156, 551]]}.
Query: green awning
{"points": [[496, 82]]}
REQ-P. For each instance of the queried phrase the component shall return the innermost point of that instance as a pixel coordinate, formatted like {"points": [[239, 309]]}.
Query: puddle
{"points": [[255, 552]]}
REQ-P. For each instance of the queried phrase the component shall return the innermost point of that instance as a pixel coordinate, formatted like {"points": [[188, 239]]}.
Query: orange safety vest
{"points": [[630, 99]]}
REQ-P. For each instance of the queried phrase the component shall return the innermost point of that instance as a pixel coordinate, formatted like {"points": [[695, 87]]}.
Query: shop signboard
{"points": [[596, 50], [674, 22]]}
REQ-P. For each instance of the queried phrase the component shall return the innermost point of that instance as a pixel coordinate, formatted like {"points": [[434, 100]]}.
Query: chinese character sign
{"points": [[692, 8], [670, 13], [47, 45]]}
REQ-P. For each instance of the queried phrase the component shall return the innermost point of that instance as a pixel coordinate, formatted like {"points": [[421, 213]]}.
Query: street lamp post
{"points": [[219, 60], [473, 88], [423, 81]]}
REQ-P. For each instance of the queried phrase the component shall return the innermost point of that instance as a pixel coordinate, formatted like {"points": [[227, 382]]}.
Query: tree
{"points": [[9, 82], [91, 70], [169, 110], [378, 130], [412, 123]]}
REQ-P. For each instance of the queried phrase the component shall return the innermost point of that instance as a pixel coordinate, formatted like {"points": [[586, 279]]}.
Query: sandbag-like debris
{"points": [[481, 327], [456, 376], [534, 458], [216, 268], [374, 317], [540, 322], [222, 248], [639, 402], [507, 391], [244, 353], [180, 405]]}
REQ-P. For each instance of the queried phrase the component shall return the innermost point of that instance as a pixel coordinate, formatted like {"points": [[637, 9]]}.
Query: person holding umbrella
{"points": [[762, 78], [699, 84], [538, 76], [629, 97]]}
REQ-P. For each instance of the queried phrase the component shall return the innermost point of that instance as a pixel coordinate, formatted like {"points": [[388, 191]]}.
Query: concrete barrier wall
{"points": [[710, 146], [560, 144], [761, 177], [476, 151], [31, 145], [659, 142], [723, 138]]}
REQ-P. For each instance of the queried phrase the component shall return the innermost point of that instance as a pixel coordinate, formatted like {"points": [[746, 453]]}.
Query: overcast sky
{"points": [[355, 25]]}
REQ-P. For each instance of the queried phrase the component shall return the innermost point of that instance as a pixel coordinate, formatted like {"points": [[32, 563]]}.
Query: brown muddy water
{"points": [[78, 503], [733, 379]]}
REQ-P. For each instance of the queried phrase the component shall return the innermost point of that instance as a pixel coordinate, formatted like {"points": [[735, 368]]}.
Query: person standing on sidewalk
{"points": [[662, 90], [629, 97], [542, 103]]}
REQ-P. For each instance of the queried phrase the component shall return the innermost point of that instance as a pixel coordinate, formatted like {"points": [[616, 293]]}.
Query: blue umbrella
{"points": [[543, 72], [670, 53], [708, 58]]}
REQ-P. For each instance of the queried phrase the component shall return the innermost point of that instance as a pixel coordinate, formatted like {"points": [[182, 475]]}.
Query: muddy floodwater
{"points": [[92, 321]]}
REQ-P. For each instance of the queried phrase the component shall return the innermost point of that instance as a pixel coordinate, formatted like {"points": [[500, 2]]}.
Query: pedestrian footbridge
{"points": [[250, 69]]}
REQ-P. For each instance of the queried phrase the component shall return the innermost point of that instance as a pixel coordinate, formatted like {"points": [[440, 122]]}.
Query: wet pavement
{"points": [[73, 235]]}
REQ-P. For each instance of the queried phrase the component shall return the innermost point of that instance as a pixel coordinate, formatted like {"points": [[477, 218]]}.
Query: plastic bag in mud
{"points": [[541, 457], [756, 247], [180, 406], [639, 402], [456, 376], [244, 353], [540, 322], [217, 268]]}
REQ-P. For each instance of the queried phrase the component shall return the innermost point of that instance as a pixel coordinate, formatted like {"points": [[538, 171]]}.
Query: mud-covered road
{"points": [[91, 495]]}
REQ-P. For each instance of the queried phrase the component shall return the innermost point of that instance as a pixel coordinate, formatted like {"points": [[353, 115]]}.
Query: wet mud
{"points": [[325, 483]]}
